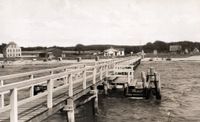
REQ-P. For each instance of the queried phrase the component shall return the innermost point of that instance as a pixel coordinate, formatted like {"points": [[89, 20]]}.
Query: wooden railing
{"points": [[70, 75]]}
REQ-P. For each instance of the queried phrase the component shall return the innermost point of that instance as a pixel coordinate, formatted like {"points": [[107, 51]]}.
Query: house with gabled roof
{"points": [[114, 52]]}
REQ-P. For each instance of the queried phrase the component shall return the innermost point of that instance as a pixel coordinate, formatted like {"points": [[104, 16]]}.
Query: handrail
{"points": [[35, 72]]}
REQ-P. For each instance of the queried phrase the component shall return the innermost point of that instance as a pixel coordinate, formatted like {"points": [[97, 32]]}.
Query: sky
{"points": [[120, 22]]}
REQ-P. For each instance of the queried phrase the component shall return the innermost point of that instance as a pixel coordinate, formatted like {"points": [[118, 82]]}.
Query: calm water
{"points": [[180, 99]]}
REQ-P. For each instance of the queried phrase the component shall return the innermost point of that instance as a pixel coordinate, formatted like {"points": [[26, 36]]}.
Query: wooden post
{"points": [[157, 86], [157, 80], [50, 92], [128, 77], [132, 72], [2, 96], [96, 101], [142, 54], [152, 73], [84, 78], [13, 104], [94, 75], [106, 70], [32, 87], [95, 92], [105, 84], [70, 103], [101, 73], [65, 78], [114, 67], [143, 76], [70, 86]]}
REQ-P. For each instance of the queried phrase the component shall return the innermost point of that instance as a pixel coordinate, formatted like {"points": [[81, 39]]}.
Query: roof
{"points": [[12, 43], [114, 49], [120, 49]]}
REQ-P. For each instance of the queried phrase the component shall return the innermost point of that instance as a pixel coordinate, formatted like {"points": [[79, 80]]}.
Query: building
{"points": [[155, 52], [175, 48], [33, 54], [12, 50], [186, 51], [114, 52], [195, 51], [1, 55], [48, 53]]}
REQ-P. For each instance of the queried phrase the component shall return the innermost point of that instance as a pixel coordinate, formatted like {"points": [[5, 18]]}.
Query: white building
{"points": [[195, 51], [114, 52], [1, 55], [155, 52], [12, 50], [175, 48]]}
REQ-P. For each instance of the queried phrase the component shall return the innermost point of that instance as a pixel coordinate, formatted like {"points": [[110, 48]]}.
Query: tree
{"points": [[2, 46], [79, 48], [161, 46]]}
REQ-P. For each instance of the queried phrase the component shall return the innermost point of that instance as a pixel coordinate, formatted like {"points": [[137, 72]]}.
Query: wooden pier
{"points": [[64, 88]]}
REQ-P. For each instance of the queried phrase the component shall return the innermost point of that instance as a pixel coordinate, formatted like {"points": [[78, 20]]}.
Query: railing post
{"points": [[13, 104], [65, 78], [94, 74], [152, 73], [84, 78], [132, 72], [70, 103], [107, 70], [2, 96], [101, 73], [50, 92], [70, 86], [128, 77], [114, 68], [32, 87], [94, 91], [143, 76]]}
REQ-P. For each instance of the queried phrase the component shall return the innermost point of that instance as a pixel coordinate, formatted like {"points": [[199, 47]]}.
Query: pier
{"points": [[66, 88]]}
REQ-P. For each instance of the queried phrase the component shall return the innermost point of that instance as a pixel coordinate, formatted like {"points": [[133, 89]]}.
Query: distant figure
{"points": [[3, 66]]}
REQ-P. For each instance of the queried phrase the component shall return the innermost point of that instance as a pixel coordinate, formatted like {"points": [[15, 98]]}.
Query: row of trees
{"points": [[160, 46]]}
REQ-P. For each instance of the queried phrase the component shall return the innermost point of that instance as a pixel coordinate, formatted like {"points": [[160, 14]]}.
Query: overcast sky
{"points": [[127, 22]]}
